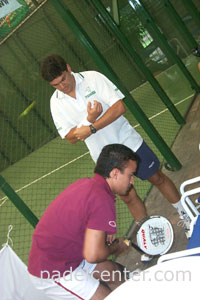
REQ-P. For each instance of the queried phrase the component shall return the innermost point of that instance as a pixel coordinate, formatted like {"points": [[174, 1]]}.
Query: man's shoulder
{"points": [[54, 99], [54, 96], [91, 185], [91, 74], [93, 78]]}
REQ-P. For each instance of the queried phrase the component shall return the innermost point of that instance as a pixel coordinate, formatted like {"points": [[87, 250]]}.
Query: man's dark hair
{"points": [[52, 67], [114, 156]]}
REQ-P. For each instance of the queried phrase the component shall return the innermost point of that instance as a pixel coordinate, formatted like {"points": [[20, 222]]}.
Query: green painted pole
{"points": [[147, 19], [180, 24], [94, 53], [138, 61], [18, 202], [193, 11]]}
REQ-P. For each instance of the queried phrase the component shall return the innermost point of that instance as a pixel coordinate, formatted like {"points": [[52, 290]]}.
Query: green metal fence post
{"points": [[18, 202], [193, 10], [146, 18], [180, 24], [84, 39], [147, 73]]}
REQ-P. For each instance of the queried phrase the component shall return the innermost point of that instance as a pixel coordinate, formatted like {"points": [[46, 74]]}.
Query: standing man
{"points": [[68, 258], [88, 107]]}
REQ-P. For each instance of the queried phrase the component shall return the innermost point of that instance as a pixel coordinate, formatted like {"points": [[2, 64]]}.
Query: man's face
{"points": [[125, 179], [64, 83]]}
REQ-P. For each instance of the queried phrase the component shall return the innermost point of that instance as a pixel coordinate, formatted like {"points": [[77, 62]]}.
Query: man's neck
{"points": [[72, 94]]}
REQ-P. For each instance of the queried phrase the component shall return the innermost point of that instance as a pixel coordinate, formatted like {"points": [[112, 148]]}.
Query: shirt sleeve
{"points": [[102, 215], [106, 89], [62, 121], [84, 122]]}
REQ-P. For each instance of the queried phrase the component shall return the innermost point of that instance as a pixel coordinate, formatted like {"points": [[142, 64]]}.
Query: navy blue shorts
{"points": [[149, 163]]}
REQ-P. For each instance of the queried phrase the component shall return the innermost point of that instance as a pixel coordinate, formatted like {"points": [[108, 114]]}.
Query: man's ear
{"points": [[114, 173], [69, 68]]}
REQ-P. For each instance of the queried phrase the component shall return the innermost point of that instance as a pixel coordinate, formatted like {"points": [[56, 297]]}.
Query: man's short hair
{"points": [[114, 156], [52, 67]]}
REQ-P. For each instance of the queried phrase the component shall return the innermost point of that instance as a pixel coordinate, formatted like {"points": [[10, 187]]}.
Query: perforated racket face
{"points": [[155, 236]]}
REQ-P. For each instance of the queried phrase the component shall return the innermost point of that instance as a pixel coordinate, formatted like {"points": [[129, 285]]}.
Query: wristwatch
{"points": [[92, 129]]}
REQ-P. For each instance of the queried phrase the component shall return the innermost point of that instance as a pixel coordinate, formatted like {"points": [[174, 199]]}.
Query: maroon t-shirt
{"points": [[58, 239]]}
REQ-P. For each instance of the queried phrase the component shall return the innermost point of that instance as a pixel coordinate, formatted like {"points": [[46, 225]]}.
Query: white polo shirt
{"points": [[68, 112]]}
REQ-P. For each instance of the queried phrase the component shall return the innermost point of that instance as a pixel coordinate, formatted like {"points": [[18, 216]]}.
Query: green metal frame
{"points": [[180, 24], [18, 202], [149, 22], [138, 61], [193, 10]]}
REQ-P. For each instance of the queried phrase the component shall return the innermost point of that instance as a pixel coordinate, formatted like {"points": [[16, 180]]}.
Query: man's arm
{"points": [[113, 113], [71, 138], [95, 249], [93, 113]]}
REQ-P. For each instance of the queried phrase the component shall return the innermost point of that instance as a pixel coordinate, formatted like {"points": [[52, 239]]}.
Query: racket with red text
{"points": [[154, 236]]}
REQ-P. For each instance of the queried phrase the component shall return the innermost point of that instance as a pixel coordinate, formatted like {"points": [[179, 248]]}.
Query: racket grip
{"points": [[127, 242], [136, 247]]}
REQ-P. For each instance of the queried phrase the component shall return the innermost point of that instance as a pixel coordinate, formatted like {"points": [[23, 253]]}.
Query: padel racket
{"points": [[154, 236]]}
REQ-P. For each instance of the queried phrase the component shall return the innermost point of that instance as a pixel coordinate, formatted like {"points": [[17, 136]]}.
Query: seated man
{"points": [[68, 258]]}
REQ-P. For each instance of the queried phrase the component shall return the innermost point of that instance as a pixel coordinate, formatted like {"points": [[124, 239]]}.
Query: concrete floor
{"points": [[186, 148]]}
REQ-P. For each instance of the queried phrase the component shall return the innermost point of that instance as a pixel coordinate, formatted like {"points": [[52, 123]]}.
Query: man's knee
{"points": [[157, 179]]}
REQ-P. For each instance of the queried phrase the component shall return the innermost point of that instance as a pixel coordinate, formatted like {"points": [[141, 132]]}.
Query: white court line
{"points": [[68, 163], [42, 177], [166, 109]]}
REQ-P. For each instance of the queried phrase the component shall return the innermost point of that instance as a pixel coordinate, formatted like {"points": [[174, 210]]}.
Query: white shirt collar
{"points": [[78, 79]]}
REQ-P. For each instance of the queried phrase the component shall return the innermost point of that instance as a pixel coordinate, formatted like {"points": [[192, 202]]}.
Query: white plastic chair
{"points": [[178, 254], [193, 214], [187, 203]]}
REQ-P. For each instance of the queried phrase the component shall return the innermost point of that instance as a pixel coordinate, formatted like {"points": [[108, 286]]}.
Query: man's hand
{"points": [[94, 112], [112, 114], [82, 133], [95, 248], [110, 238], [118, 246]]}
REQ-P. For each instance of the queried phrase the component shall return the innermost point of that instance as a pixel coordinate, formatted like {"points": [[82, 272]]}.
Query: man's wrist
{"points": [[112, 248], [92, 129], [90, 120]]}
